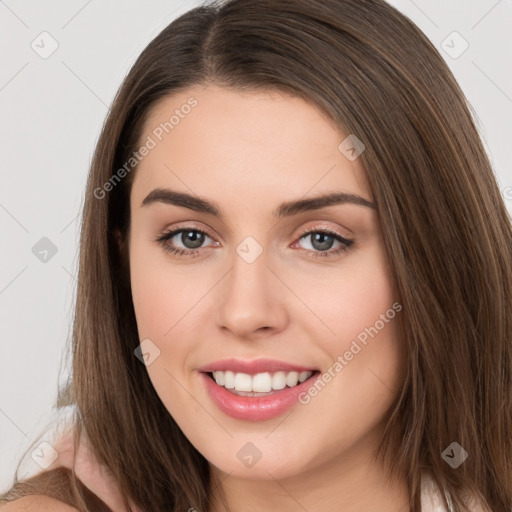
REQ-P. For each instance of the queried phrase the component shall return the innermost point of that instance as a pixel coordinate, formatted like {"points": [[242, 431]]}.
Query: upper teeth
{"points": [[261, 382]]}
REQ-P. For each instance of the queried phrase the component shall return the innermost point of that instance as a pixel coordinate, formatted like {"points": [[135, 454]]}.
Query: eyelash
{"points": [[193, 253]]}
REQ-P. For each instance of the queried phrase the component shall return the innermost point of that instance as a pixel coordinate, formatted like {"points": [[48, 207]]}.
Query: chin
{"points": [[258, 458]]}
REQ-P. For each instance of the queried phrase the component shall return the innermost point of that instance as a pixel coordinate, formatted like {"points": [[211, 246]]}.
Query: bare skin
{"points": [[248, 153], [37, 503]]}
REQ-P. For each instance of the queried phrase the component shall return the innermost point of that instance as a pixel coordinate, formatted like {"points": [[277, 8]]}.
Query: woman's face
{"points": [[271, 288]]}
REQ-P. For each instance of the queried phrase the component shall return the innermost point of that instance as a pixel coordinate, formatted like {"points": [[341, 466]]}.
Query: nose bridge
{"points": [[249, 276], [250, 298]]}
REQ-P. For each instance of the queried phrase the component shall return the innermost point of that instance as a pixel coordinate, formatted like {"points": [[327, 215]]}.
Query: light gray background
{"points": [[51, 113]]}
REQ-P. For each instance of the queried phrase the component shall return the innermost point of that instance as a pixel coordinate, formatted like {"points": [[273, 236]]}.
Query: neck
{"points": [[347, 484]]}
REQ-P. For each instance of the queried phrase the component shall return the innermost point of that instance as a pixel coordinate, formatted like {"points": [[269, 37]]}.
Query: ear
{"points": [[121, 245], [119, 238], [122, 253]]}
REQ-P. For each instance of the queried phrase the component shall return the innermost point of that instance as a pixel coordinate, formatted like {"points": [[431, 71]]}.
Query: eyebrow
{"points": [[287, 209]]}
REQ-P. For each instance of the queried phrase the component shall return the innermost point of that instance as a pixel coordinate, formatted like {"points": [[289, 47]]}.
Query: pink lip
{"points": [[253, 367], [255, 408]]}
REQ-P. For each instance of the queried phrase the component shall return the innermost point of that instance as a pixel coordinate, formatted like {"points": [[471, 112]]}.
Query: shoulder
{"points": [[431, 500], [36, 503], [95, 476]]}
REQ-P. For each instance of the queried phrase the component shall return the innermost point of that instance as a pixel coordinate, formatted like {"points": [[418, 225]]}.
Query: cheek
{"points": [[149, 298], [361, 333], [367, 301], [162, 294], [163, 313], [348, 300], [345, 302]]}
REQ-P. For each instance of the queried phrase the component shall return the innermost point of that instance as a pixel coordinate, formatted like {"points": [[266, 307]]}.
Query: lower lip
{"points": [[255, 408]]}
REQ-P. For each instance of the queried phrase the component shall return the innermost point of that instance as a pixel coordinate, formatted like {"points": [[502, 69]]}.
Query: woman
{"points": [[295, 278]]}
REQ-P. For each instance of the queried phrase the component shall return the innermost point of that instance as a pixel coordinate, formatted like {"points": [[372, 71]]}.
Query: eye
{"points": [[192, 240], [322, 240]]}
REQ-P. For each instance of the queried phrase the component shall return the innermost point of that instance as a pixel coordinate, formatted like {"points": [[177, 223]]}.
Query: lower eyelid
{"points": [[345, 243], [171, 234]]}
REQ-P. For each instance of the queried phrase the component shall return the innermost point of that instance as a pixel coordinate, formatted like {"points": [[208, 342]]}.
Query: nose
{"points": [[251, 300]]}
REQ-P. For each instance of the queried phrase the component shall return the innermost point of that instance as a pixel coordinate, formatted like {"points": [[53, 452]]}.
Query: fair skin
{"points": [[248, 153], [37, 503]]}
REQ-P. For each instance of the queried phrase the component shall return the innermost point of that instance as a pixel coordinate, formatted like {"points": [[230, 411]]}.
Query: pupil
{"points": [[192, 239], [322, 245]]}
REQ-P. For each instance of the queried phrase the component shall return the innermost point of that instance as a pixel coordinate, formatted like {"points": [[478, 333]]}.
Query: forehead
{"points": [[242, 145]]}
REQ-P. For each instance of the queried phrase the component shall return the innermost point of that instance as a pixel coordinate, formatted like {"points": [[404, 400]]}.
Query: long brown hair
{"points": [[445, 227]]}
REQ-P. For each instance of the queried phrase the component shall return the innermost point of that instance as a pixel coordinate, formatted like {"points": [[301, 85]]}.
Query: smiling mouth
{"points": [[260, 384]]}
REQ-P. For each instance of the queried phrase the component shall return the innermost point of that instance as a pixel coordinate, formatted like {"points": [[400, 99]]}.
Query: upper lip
{"points": [[254, 366]]}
